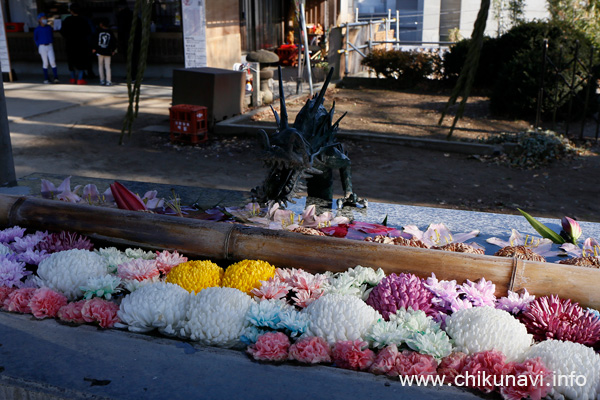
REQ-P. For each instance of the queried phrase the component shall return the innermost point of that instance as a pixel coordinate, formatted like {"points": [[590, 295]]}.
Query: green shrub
{"points": [[517, 83], [407, 67], [510, 67], [533, 149]]}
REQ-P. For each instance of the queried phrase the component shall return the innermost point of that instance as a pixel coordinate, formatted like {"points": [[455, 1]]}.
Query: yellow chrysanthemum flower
{"points": [[194, 276], [247, 274]]}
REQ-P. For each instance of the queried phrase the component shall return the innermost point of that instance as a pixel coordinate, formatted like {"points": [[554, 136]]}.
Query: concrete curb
{"points": [[230, 127]]}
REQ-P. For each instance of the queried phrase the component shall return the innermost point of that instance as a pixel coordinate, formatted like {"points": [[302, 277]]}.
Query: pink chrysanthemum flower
{"points": [[353, 354], [4, 292], [551, 317], [18, 300], [272, 346], [9, 234], [138, 269], [28, 242], [102, 311], [479, 294], [412, 363], [401, 291], [46, 302], [310, 350], [271, 289], [165, 261], [451, 365], [385, 361], [304, 297], [515, 303], [537, 376], [485, 363], [72, 312], [64, 241]]}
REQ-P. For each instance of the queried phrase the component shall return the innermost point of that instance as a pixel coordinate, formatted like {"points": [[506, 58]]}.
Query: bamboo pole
{"points": [[233, 242]]}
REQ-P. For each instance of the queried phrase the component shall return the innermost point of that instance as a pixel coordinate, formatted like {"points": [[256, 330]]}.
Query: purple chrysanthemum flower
{"points": [[9, 234], [401, 291], [56, 242], [11, 271], [551, 317], [446, 292], [480, 293], [28, 242], [33, 257], [514, 303]]}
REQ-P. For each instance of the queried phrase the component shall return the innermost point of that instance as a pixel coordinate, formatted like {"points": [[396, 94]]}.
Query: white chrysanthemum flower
{"points": [[113, 257], [131, 285], [5, 249], [336, 317], [576, 368], [415, 320], [139, 253], [486, 328], [357, 281], [366, 275], [436, 344], [217, 316], [101, 286], [66, 271], [383, 333], [343, 284], [159, 305]]}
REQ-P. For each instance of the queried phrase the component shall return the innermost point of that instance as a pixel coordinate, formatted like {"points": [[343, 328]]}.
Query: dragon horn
{"points": [[265, 139], [319, 100], [284, 116], [276, 116], [337, 123]]}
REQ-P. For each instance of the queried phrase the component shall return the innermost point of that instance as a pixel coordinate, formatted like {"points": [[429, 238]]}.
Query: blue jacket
{"points": [[43, 35]]}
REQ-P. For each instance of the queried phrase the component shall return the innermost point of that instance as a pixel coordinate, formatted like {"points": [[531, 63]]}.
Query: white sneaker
{"points": [[108, 83], [46, 82]]}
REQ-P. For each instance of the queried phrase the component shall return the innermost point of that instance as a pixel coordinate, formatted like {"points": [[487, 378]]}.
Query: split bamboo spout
{"points": [[232, 242]]}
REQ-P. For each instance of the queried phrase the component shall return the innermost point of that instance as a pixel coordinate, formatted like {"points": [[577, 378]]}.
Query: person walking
{"points": [[43, 35], [76, 32], [104, 47]]}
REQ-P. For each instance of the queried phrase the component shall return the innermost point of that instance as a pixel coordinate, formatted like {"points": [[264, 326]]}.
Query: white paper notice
{"points": [[4, 60], [194, 33]]}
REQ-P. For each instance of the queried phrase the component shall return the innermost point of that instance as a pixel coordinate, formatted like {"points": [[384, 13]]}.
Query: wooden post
{"points": [[7, 166]]}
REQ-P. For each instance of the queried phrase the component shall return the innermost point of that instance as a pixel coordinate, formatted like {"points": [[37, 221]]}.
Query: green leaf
{"points": [[542, 229], [384, 223]]}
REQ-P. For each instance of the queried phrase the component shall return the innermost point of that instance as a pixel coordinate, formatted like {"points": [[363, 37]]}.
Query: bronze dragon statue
{"points": [[303, 156]]}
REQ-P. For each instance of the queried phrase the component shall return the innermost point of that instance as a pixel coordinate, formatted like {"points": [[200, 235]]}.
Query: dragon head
{"points": [[296, 153]]}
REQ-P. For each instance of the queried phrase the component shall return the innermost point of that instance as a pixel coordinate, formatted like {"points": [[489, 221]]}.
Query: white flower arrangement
{"points": [[569, 359], [336, 317], [113, 257], [66, 271], [161, 306], [139, 253], [486, 328], [217, 317], [101, 286], [357, 281], [414, 329]]}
